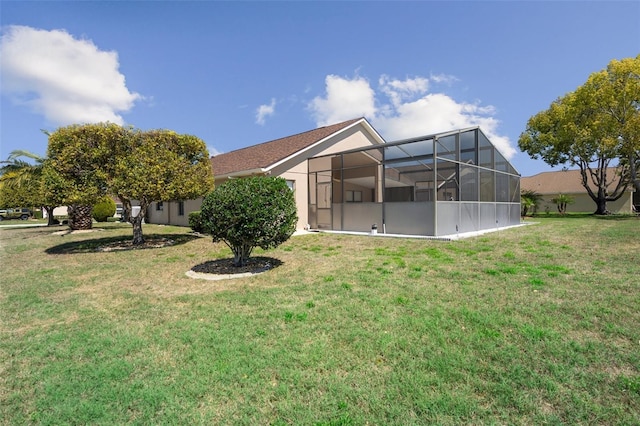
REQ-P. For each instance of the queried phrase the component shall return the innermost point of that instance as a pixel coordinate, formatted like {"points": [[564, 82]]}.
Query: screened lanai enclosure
{"points": [[435, 185]]}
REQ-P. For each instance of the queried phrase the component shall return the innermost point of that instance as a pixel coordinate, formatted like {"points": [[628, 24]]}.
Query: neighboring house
{"points": [[347, 178], [58, 211], [569, 182]]}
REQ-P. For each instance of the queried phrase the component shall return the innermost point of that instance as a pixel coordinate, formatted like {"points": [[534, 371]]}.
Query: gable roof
{"points": [[562, 182], [264, 155]]}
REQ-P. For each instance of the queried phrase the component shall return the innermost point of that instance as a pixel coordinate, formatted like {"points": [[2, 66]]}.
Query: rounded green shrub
{"points": [[104, 209], [250, 212], [195, 222]]}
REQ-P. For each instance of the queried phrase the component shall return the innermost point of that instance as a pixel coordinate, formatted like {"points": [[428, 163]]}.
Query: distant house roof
{"points": [[262, 156], [562, 182]]}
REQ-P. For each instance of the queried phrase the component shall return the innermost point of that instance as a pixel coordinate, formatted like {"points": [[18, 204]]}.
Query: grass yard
{"points": [[539, 324]]}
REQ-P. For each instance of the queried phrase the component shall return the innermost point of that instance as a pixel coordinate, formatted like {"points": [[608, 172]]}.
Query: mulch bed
{"points": [[254, 265]]}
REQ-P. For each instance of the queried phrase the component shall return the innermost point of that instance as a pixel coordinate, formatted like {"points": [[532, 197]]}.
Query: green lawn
{"points": [[533, 325]]}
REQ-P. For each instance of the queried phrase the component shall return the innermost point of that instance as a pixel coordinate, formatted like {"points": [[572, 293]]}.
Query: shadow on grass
{"points": [[225, 266], [562, 216], [119, 243], [617, 217]]}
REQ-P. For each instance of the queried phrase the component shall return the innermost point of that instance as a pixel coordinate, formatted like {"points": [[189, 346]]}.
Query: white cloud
{"points": [[410, 111], [345, 99], [400, 90], [212, 151], [265, 111], [443, 78], [65, 79]]}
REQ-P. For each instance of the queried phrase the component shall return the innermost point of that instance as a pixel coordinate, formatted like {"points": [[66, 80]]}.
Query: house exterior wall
{"points": [[296, 169], [293, 169], [170, 213], [58, 211], [584, 204], [550, 184]]}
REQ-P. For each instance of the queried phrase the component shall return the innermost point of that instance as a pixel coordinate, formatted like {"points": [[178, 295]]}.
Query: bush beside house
{"points": [[251, 212]]}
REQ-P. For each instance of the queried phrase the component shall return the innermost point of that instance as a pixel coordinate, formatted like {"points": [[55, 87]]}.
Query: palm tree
{"points": [[562, 200], [24, 179], [529, 200]]}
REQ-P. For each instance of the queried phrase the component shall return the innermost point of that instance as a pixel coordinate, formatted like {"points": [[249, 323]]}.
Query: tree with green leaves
{"points": [[595, 127], [529, 200], [158, 165], [561, 202], [22, 183], [79, 167], [250, 212], [87, 162]]}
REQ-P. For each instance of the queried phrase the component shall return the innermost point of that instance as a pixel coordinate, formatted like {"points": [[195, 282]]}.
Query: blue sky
{"points": [[240, 73]]}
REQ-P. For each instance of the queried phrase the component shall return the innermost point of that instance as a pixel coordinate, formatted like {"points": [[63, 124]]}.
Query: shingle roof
{"points": [[561, 182], [268, 153]]}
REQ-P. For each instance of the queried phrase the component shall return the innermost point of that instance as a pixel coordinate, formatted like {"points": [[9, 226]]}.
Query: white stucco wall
{"points": [[584, 204], [296, 169], [169, 214]]}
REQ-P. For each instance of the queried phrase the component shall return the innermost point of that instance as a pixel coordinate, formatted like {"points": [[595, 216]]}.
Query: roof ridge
{"points": [[342, 123], [564, 171], [269, 153]]}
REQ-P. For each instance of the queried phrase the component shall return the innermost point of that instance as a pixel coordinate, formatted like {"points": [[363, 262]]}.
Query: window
{"points": [[291, 184], [180, 208], [353, 197], [159, 206]]}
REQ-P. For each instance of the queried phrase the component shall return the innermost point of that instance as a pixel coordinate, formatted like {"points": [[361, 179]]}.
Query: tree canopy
{"points": [[22, 183], [595, 127], [79, 166], [80, 158], [87, 162], [251, 212], [159, 165]]}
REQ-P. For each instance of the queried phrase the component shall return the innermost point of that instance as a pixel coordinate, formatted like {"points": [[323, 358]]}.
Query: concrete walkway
{"points": [[20, 225], [452, 237]]}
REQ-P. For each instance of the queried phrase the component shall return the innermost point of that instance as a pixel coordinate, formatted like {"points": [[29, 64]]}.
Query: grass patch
{"points": [[533, 325]]}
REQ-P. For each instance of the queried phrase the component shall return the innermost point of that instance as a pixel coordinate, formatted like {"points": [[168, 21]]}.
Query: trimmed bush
{"points": [[104, 209], [250, 212], [195, 222]]}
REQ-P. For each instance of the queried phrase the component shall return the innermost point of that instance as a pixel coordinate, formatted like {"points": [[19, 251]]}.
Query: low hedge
{"points": [[195, 222]]}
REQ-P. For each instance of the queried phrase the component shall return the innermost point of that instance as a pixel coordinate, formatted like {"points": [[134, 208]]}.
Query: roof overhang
{"points": [[243, 173], [363, 121]]}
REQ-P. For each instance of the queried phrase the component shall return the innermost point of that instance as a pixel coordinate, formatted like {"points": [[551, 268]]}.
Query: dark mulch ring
{"points": [[254, 265]]}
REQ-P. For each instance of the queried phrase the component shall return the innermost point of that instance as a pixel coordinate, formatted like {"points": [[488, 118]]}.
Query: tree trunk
{"points": [[562, 208], [138, 238], [126, 209], [601, 202], [50, 219], [137, 221], [241, 254], [80, 217], [633, 172]]}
